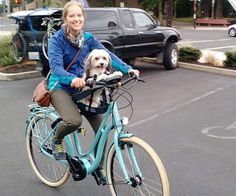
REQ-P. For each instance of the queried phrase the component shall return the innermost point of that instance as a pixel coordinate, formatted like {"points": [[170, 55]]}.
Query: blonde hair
{"points": [[70, 4]]}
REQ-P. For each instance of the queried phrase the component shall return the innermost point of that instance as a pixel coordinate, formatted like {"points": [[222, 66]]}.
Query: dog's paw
{"points": [[117, 74]]}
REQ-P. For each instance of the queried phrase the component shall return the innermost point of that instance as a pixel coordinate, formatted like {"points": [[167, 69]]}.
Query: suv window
{"points": [[36, 22], [100, 19], [127, 18], [142, 19]]}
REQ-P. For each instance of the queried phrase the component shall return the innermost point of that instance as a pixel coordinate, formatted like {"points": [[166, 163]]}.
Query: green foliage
{"points": [[183, 8], [148, 4], [230, 58], [189, 54], [5, 52]]}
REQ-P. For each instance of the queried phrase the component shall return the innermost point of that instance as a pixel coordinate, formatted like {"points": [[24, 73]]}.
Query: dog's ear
{"points": [[109, 67]]}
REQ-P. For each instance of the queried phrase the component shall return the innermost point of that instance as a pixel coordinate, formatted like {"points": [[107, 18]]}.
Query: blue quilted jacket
{"points": [[61, 52]]}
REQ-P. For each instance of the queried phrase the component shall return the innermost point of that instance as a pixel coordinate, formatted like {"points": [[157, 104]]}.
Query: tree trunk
{"points": [[219, 8]]}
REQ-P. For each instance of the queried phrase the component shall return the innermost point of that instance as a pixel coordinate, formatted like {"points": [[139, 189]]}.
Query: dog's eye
{"points": [[96, 58], [104, 58]]}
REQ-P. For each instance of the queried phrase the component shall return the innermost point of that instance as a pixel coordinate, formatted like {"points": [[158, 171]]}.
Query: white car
{"points": [[232, 30]]}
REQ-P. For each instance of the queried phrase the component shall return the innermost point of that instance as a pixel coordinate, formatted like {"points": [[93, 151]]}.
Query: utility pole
{"points": [[194, 13], [212, 8], [169, 13]]}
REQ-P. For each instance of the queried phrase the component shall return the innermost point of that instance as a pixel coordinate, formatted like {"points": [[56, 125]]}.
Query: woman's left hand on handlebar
{"points": [[78, 83], [134, 72]]}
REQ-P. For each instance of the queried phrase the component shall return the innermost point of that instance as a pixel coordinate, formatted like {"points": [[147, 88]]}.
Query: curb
{"points": [[215, 70], [19, 76], [196, 67]]}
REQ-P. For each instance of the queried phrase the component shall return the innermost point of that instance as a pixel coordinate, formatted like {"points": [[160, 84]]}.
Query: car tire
{"points": [[232, 32], [171, 56]]}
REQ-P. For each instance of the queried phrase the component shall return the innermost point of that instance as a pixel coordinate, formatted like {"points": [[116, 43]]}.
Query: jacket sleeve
{"points": [[117, 63], [55, 56]]}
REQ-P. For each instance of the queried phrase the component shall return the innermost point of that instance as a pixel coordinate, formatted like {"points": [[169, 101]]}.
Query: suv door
{"points": [[104, 25], [148, 32]]}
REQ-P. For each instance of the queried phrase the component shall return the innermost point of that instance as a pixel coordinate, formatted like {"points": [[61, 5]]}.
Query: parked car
{"points": [[232, 30], [128, 32]]}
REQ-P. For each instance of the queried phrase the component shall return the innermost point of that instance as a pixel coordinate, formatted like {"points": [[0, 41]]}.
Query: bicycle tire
{"points": [[45, 45], [51, 172], [157, 185], [19, 47]]}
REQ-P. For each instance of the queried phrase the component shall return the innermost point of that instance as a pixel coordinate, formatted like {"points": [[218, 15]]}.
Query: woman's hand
{"points": [[78, 83], [134, 72]]}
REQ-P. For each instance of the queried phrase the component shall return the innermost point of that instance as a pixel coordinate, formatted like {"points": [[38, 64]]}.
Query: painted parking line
{"points": [[219, 48], [172, 109], [203, 41]]}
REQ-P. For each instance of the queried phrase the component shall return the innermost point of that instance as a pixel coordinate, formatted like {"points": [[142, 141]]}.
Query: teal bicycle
{"points": [[132, 166]]}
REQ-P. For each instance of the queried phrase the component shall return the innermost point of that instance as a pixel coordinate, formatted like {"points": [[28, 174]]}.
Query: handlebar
{"points": [[112, 83], [51, 20]]}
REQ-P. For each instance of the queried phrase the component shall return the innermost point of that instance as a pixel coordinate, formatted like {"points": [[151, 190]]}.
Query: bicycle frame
{"points": [[91, 162]]}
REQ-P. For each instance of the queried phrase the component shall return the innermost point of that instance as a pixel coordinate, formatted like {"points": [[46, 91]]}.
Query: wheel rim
{"points": [[48, 170], [232, 32], [174, 57], [150, 184]]}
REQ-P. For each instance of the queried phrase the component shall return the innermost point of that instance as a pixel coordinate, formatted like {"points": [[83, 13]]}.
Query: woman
{"points": [[63, 47]]}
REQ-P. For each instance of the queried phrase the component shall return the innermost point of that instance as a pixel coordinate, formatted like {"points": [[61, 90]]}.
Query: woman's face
{"points": [[74, 19]]}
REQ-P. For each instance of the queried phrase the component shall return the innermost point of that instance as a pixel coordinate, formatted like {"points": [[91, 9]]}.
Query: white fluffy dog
{"points": [[98, 65]]}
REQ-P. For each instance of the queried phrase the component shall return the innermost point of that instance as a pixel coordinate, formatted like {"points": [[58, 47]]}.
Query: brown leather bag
{"points": [[41, 94]]}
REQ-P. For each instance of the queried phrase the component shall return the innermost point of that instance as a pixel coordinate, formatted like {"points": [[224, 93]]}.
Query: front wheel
{"points": [[48, 170], [171, 56], [150, 180]]}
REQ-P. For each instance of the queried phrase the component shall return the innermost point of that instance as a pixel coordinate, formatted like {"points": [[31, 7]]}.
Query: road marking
{"points": [[203, 41], [146, 120], [218, 48], [210, 131]]}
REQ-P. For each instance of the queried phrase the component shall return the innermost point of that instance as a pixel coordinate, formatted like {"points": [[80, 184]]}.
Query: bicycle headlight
{"points": [[125, 121]]}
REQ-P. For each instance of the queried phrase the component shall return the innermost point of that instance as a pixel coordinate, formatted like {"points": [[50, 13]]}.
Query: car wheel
{"points": [[232, 32], [171, 56]]}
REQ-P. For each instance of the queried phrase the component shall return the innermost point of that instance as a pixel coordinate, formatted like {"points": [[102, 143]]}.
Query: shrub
{"points": [[230, 58], [189, 54], [5, 52]]}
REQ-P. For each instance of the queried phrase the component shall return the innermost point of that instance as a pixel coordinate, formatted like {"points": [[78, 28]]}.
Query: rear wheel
{"points": [[19, 47], [51, 172], [171, 56], [153, 180]]}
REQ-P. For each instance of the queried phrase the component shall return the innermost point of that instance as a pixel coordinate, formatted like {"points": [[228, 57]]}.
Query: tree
{"points": [[152, 5], [219, 8]]}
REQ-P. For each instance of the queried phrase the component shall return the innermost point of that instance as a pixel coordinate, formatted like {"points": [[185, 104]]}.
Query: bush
{"points": [[5, 52], [189, 54], [230, 58]]}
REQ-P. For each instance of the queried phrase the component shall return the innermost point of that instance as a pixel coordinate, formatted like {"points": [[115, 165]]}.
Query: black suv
{"points": [[128, 32]]}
